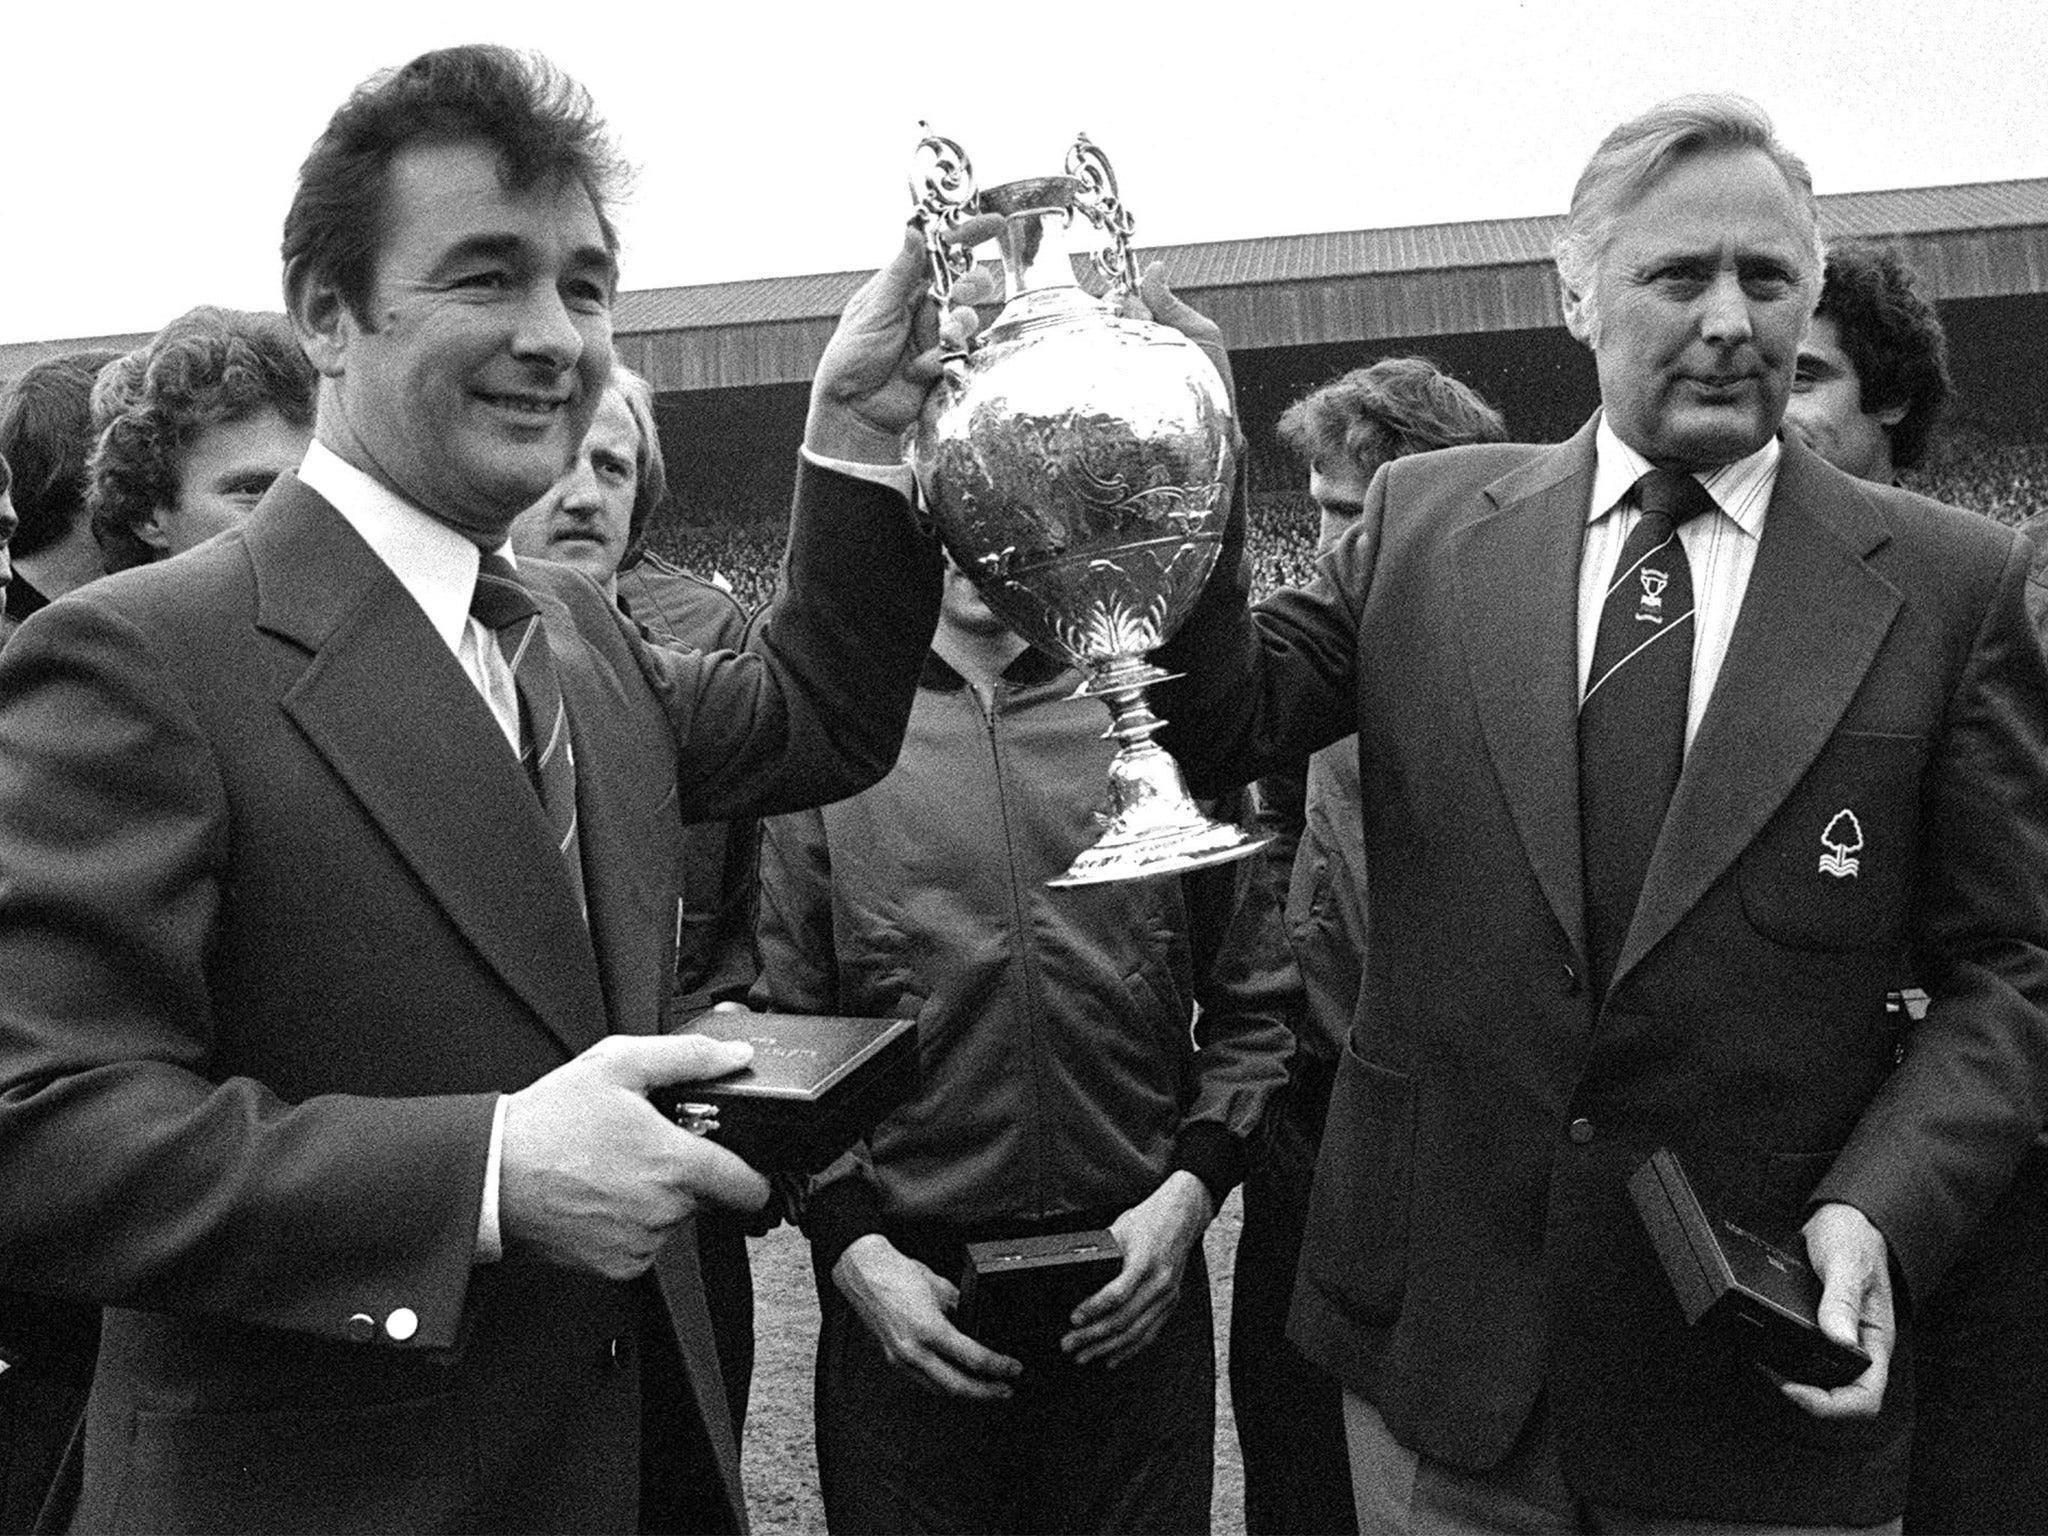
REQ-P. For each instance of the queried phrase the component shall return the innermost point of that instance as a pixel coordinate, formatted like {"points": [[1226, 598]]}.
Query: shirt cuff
{"points": [[899, 478], [490, 1241], [1212, 1155]]}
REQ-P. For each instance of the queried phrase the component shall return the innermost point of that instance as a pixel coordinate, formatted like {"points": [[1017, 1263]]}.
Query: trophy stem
{"points": [[1155, 827]]}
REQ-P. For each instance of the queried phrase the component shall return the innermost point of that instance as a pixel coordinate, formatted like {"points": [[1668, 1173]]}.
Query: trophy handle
{"points": [[1099, 201], [942, 188]]}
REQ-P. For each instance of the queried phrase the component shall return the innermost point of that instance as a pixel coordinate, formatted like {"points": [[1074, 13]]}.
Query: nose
{"points": [[547, 331], [1724, 313], [579, 489]]}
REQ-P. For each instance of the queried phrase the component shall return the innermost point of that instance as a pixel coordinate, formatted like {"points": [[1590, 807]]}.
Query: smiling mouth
{"points": [[538, 407]]}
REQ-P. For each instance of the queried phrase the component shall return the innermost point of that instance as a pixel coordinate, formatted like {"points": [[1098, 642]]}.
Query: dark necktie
{"points": [[1632, 720], [506, 608]]}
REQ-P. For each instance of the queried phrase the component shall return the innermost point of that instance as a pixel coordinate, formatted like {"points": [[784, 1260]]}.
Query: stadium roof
{"points": [[1975, 241]]}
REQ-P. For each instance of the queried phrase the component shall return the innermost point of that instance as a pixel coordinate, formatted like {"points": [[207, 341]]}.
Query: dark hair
{"points": [[46, 436], [541, 123], [1894, 339], [1398, 406], [206, 367]]}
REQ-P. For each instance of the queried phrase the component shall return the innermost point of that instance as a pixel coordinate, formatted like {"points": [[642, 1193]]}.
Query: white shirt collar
{"points": [[431, 560], [1741, 490]]}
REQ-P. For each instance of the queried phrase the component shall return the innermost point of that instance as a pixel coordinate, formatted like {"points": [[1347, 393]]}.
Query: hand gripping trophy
{"points": [[1077, 464]]}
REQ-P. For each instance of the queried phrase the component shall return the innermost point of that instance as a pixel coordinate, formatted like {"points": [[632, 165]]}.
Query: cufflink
{"points": [[402, 1324], [361, 1328]]}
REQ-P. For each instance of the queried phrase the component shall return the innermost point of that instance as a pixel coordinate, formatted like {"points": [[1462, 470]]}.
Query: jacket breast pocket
{"points": [[1355, 1249], [1832, 870]]}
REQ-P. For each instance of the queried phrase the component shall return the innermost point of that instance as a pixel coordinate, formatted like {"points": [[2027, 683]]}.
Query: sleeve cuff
{"points": [[490, 1241], [1212, 1155], [897, 477], [836, 1216]]}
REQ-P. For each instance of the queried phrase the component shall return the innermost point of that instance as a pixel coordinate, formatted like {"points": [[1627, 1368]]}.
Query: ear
{"points": [[1580, 317], [152, 532], [320, 318]]}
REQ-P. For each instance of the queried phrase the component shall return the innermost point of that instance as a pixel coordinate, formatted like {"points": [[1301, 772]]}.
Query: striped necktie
{"points": [[504, 606], [1632, 719]]}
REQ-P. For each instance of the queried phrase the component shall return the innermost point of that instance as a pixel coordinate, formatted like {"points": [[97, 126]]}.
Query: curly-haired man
{"points": [[1872, 375], [193, 427]]}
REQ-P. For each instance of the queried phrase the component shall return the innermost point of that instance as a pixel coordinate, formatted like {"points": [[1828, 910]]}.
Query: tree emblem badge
{"points": [[1843, 840]]}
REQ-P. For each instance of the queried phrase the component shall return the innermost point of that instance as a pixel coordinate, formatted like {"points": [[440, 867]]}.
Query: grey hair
{"points": [[1632, 158]]}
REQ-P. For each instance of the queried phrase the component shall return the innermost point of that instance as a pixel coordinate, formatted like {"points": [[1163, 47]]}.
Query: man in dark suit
{"points": [[1662, 917], [335, 930]]}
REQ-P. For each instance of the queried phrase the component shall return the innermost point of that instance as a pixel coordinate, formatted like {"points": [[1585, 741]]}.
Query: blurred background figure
{"points": [[192, 427], [1290, 1415], [595, 520], [46, 436], [1868, 394]]}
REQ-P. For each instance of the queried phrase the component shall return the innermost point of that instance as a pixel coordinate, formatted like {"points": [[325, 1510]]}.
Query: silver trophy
{"points": [[1077, 464]]}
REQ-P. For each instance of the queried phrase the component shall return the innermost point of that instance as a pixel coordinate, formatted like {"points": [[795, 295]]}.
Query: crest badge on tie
{"points": [[1843, 840], [1650, 605]]}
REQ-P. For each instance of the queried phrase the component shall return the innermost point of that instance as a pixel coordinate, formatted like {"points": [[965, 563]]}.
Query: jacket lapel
{"points": [[1811, 622], [1518, 582], [390, 712]]}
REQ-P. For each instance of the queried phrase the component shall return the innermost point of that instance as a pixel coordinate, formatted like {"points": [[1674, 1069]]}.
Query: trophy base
{"points": [[1123, 854], [1154, 826]]}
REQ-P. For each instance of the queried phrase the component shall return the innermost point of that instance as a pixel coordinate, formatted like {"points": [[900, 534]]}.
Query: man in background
{"points": [[1290, 1415], [1871, 383], [46, 434], [47, 1343], [191, 430], [1872, 376]]}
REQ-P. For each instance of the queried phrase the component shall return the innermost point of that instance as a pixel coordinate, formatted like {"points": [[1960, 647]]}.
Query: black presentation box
{"points": [[1759, 1293], [1018, 1294], [818, 1084]]}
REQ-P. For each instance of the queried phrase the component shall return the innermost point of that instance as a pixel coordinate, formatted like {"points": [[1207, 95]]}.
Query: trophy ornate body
{"points": [[1078, 463]]}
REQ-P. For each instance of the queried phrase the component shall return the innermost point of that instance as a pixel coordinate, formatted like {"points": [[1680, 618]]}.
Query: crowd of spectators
{"points": [[2006, 481]]}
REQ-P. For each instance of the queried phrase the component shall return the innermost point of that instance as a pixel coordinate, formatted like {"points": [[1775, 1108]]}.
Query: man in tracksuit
{"points": [[1069, 1081]]}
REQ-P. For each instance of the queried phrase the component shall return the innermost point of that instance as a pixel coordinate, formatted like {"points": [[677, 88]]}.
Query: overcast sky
{"points": [[151, 148]]}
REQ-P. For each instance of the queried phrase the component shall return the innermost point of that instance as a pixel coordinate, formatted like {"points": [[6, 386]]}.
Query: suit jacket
{"points": [[1471, 1240], [715, 918], [279, 918], [1317, 857]]}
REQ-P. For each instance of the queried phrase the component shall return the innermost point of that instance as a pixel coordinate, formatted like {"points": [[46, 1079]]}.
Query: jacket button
{"points": [[402, 1324], [1570, 978], [362, 1328], [619, 1351], [1581, 1132]]}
